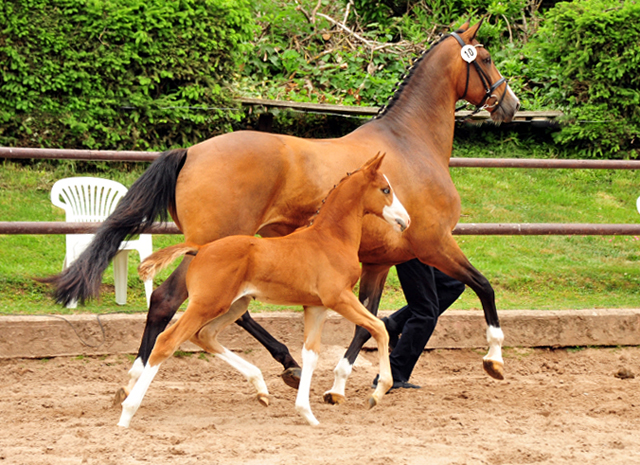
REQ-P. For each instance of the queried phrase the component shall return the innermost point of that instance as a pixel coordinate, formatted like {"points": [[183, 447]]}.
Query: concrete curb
{"points": [[69, 335]]}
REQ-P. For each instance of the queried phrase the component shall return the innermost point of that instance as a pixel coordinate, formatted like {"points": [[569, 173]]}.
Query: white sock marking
{"points": [[342, 371], [133, 401], [495, 338], [251, 372], [309, 362]]}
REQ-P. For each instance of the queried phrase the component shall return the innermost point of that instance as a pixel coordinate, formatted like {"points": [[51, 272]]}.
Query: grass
{"points": [[527, 272]]}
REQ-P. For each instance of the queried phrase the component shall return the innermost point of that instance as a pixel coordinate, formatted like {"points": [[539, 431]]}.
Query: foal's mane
{"points": [[344, 178], [406, 77]]}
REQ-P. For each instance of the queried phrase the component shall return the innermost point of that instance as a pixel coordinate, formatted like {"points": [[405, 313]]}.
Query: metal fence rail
{"points": [[113, 155], [506, 229], [462, 229]]}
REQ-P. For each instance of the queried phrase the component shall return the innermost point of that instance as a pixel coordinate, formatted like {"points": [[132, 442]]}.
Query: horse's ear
{"points": [[464, 27], [373, 165], [471, 33]]}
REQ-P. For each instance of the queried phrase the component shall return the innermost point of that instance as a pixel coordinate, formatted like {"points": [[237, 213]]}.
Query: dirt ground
{"points": [[555, 407]]}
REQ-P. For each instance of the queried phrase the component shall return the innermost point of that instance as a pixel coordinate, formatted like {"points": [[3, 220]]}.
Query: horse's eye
{"points": [[386, 191], [487, 60]]}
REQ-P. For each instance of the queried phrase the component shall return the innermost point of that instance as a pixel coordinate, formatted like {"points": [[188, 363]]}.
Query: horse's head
{"points": [[379, 198], [479, 81]]}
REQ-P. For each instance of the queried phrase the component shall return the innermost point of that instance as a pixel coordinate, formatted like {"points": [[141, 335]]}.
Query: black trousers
{"points": [[429, 292]]}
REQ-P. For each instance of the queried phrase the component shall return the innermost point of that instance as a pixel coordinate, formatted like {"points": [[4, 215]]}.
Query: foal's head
{"points": [[479, 82], [379, 198]]}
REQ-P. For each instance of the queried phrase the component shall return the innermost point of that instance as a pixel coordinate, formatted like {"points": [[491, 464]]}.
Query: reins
{"points": [[469, 54]]}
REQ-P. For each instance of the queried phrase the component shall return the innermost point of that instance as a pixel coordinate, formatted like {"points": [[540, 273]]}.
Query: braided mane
{"points": [[406, 77]]}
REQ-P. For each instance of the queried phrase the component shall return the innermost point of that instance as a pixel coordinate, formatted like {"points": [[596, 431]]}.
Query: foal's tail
{"points": [[153, 195], [159, 260]]}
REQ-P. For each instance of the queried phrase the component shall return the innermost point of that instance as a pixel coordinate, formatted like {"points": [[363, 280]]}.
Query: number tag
{"points": [[469, 53]]}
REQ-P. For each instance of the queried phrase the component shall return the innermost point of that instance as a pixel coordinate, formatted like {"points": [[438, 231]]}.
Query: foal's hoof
{"points": [[263, 399], [291, 377], [493, 368], [121, 395], [333, 398], [372, 402]]}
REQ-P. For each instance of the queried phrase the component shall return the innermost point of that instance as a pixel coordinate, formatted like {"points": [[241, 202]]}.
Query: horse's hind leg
{"points": [[166, 344], [371, 285], [314, 318], [452, 261], [165, 301], [280, 352], [207, 339]]}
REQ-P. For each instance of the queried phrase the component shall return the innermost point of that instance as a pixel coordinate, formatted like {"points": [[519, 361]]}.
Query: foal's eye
{"points": [[386, 191]]}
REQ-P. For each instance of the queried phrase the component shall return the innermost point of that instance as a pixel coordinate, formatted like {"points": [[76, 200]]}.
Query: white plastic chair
{"points": [[86, 199]]}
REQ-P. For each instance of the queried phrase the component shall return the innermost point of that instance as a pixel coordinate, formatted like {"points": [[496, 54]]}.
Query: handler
{"points": [[429, 292]]}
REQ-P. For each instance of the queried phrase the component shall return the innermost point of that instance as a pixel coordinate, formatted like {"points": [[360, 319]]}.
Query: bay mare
{"points": [[249, 182], [316, 267]]}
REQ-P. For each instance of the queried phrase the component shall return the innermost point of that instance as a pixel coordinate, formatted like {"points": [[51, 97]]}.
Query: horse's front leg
{"points": [[371, 286], [452, 261], [314, 318], [279, 351], [349, 307], [165, 301]]}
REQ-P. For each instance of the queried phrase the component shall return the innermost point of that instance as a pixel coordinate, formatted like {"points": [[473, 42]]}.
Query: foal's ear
{"points": [[373, 165]]}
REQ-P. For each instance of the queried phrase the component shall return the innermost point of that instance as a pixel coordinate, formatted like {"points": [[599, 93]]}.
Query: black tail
{"points": [[149, 198]]}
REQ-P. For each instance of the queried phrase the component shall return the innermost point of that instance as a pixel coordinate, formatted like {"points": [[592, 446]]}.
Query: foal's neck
{"points": [[341, 215]]}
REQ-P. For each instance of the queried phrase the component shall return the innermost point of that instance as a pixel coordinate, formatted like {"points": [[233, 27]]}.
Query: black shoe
{"points": [[393, 332], [396, 385]]}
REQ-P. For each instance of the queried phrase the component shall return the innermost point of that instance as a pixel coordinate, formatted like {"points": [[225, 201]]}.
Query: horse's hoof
{"points": [[291, 377], [372, 402], [493, 368], [263, 399], [121, 395], [333, 398]]}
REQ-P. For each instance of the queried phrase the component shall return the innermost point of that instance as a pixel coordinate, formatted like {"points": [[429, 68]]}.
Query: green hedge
{"points": [[585, 61], [121, 74]]}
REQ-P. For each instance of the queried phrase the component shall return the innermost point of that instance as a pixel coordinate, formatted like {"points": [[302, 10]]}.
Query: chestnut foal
{"points": [[316, 267]]}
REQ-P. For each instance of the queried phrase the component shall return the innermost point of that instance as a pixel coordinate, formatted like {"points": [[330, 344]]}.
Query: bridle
{"points": [[469, 54]]}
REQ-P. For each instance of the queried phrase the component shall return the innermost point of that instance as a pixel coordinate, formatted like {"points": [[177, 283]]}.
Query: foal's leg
{"points": [[349, 307], [165, 301], [314, 318], [207, 339], [371, 285], [166, 344]]}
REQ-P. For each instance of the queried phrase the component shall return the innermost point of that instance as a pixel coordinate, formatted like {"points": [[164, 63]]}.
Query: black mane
{"points": [[406, 77]]}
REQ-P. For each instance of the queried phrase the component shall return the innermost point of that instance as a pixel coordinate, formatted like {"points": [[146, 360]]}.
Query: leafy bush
{"points": [[584, 60], [354, 52], [116, 73]]}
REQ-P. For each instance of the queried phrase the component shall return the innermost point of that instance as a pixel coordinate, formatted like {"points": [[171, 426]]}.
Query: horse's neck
{"points": [[423, 114], [340, 217]]}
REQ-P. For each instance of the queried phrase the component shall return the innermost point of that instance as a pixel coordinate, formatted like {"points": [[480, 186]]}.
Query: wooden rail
{"points": [[353, 110]]}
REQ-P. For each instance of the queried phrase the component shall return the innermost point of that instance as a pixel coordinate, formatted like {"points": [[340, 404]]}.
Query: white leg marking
{"points": [[495, 338], [249, 371], [133, 401], [309, 362], [134, 373], [342, 371]]}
